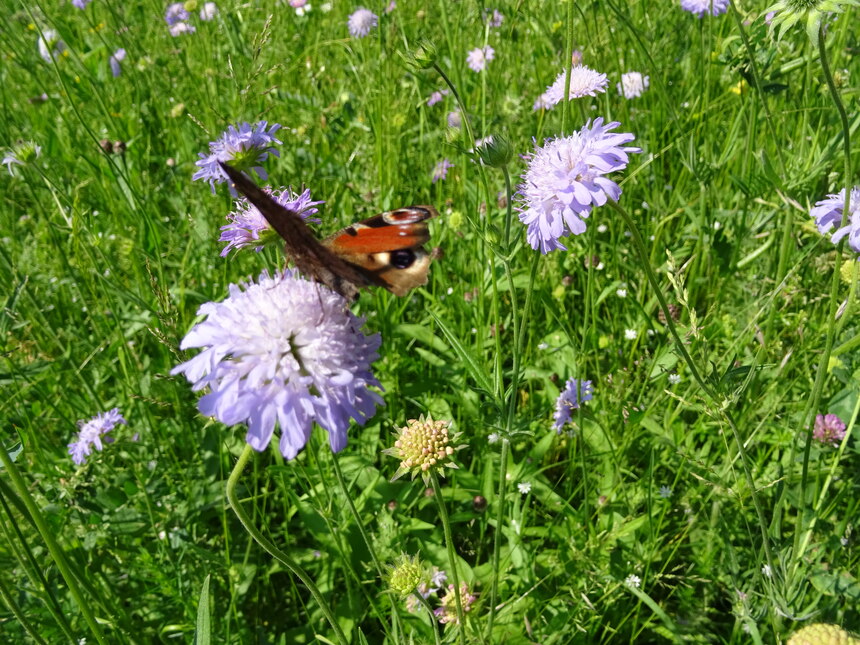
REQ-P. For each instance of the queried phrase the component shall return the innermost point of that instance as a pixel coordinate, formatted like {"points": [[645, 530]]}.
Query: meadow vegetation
{"points": [[651, 431]]}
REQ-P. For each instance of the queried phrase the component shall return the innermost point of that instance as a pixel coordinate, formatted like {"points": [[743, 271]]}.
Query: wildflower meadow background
{"points": [[622, 409]]}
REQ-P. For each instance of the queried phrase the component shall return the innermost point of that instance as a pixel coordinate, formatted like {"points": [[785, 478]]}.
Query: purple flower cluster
{"points": [[245, 148], [829, 429], [440, 170], [361, 22], [90, 434], [285, 352], [566, 177], [478, 58], [702, 8], [248, 227], [575, 393]]}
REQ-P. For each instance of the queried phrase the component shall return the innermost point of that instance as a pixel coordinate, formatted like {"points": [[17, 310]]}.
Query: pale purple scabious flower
{"points": [[583, 82], [176, 13], [115, 60], [828, 215], [209, 11], [244, 148], [283, 351], [90, 434], [247, 223], [21, 154], [829, 429], [576, 57], [494, 19], [566, 177], [574, 394], [702, 8], [81, 4], [181, 28], [437, 96], [478, 58], [454, 119], [50, 45], [440, 170], [361, 22], [632, 85], [542, 103], [447, 612], [391, 7]]}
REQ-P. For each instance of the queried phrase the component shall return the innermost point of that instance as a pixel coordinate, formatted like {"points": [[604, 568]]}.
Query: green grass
{"points": [[105, 259]]}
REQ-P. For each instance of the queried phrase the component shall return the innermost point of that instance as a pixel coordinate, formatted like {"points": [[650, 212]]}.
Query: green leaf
{"points": [[202, 634]]}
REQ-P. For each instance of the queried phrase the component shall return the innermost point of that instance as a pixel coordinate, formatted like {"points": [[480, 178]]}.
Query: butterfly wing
{"points": [[312, 258]]}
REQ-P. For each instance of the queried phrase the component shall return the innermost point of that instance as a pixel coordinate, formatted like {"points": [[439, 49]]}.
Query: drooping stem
{"points": [[274, 551]]}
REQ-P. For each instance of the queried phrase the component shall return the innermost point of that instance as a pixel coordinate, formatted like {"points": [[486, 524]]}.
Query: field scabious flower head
{"points": [[583, 82], [447, 613], [360, 22], [176, 13], [209, 11], [284, 351], [50, 45], [21, 154], [90, 434], [424, 446], [787, 13], [437, 96], [440, 170], [822, 634], [566, 177], [828, 215], [116, 58], [632, 85], [574, 394], [495, 19], [81, 4], [478, 58], [828, 429], [702, 8], [248, 227], [244, 148], [405, 575]]}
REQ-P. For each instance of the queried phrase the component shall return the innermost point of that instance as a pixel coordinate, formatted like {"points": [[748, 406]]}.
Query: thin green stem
{"points": [[720, 404], [274, 551], [364, 536], [47, 535], [497, 537], [452, 556], [807, 514], [19, 615], [433, 620]]}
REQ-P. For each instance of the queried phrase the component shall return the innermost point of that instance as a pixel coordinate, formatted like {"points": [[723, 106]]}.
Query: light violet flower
{"points": [[542, 103], [583, 82], [116, 58], [81, 4], [632, 85], [21, 154], [575, 393], [455, 120], [244, 148], [390, 7], [50, 45], [180, 28], [283, 351], [566, 177], [828, 215], [440, 170], [494, 19], [248, 227], [702, 8], [90, 434], [176, 13], [447, 613], [829, 429], [361, 22], [209, 11], [437, 96], [478, 58]]}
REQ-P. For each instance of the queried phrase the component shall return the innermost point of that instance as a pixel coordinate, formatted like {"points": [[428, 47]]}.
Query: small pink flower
{"points": [[829, 429]]}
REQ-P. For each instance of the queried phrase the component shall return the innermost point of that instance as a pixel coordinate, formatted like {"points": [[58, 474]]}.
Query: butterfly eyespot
{"points": [[402, 259]]}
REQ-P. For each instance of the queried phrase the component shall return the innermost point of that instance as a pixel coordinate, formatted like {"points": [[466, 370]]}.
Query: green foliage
{"points": [[108, 251]]}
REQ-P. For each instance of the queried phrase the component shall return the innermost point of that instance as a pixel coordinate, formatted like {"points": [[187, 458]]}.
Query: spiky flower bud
{"points": [[424, 56], [422, 446], [494, 151], [405, 575]]}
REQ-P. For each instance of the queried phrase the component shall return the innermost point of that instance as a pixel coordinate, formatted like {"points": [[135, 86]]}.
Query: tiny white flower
{"points": [[524, 487], [621, 293], [717, 226], [665, 492], [543, 346], [450, 290], [633, 581], [630, 334], [766, 571], [602, 228], [493, 437], [674, 379]]}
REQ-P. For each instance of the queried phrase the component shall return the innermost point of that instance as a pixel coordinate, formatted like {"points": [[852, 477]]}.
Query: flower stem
{"points": [[452, 557], [433, 620], [807, 518], [274, 551], [20, 488], [364, 536], [497, 537], [720, 404]]}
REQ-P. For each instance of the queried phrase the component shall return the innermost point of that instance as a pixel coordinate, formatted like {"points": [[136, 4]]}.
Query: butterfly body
{"points": [[385, 250]]}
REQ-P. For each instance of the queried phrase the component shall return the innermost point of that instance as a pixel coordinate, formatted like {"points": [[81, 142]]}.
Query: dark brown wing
{"points": [[310, 256]]}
